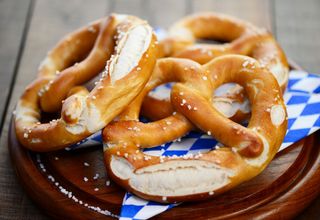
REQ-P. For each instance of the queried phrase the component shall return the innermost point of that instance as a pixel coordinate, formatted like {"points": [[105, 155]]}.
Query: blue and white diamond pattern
{"points": [[192, 143], [136, 208], [95, 139], [303, 106]]}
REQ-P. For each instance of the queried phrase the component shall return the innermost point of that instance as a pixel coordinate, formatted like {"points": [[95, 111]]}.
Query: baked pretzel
{"points": [[241, 37], [246, 153], [82, 114]]}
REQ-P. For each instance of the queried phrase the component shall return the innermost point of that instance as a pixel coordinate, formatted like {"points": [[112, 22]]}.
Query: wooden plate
{"points": [[74, 185]]}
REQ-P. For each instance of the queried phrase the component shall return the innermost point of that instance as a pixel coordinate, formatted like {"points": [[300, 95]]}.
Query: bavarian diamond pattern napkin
{"points": [[303, 105]]}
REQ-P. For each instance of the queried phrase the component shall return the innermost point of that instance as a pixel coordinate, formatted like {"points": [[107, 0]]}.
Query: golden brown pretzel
{"points": [[241, 37], [248, 150], [124, 77]]}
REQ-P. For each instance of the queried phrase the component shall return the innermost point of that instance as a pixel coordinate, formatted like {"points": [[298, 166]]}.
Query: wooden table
{"points": [[29, 28]]}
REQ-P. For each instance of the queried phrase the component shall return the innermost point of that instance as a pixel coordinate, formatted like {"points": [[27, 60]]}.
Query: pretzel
{"points": [[246, 153], [241, 37], [82, 114]]}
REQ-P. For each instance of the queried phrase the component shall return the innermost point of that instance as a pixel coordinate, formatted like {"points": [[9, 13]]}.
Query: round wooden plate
{"points": [[74, 185]]}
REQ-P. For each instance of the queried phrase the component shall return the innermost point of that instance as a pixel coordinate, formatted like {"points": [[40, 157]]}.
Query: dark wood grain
{"points": [[134, 7], [288, 185], [51, 20], [297, 26], [298, 31], [14, 16], [255, 11], [173, 11]]}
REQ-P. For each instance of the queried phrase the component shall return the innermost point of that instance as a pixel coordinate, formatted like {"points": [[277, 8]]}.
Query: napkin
{"points": [[302, 99]]}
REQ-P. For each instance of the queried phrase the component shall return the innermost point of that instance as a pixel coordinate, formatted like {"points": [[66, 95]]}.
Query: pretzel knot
{"points": [[246, 151], [84, 113], [240, 37]]}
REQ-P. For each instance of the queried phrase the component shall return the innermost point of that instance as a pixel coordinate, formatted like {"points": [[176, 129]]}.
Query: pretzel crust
{"points": [[194, 177], [82, 114], [241, 37]]}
